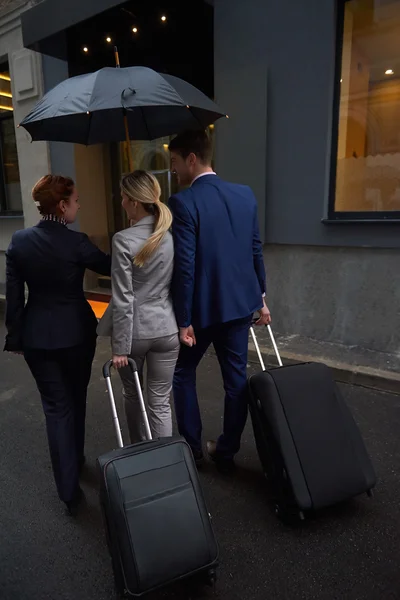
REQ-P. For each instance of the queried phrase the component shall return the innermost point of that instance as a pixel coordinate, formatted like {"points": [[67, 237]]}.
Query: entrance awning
{"points": [[42, 24]]}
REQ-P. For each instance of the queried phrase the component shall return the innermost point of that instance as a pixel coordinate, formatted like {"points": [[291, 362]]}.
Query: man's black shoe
{"points": [[73, 505], [226, 466]]}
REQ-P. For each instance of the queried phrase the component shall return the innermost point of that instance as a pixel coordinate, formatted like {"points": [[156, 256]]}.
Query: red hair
{"points": [[50, 190]]}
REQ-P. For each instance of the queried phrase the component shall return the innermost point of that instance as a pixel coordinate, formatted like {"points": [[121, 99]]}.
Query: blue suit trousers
{"points": [[230, 341]]}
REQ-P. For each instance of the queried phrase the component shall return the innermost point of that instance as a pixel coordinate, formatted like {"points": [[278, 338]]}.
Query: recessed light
{"points": [[135, 30], [389, 72], [163, 18], [86, 49], [109, 40]]}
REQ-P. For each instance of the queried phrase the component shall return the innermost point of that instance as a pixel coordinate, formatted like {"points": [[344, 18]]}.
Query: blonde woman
{"points": [[143, 321]]}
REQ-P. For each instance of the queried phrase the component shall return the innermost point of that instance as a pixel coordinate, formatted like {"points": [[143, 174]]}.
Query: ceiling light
{"points": [[109, 40], [163, 18], [86, 49], [389, 72], [135, 30]]}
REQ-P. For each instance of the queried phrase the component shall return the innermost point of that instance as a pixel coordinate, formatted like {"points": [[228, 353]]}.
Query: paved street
{"points": [[350, 552]]}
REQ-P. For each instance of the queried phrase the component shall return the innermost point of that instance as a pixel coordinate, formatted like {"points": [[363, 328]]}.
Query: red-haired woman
{"points": [[56, 329]]}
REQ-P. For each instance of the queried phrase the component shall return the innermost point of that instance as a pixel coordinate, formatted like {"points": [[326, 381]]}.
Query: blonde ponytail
{"points": [[143, 187], [162, 224]]}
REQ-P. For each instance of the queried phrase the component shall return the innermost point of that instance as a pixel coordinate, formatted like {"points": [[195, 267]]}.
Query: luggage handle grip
{"points": [[117, 427], [257, 347], [109, 364]]}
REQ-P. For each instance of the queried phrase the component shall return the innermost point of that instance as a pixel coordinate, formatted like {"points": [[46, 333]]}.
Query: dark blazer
{"points": [[219, 273], [51, 259]]}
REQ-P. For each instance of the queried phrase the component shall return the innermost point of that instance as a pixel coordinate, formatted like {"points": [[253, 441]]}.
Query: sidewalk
{"points": [[350, 364], [348, 552]]}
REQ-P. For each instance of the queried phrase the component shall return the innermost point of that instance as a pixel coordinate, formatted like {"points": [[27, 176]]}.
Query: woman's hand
{"points": [[120, 361]]}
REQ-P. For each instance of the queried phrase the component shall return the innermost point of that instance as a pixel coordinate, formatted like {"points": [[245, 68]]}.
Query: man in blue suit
{"points": [[219, 282]]}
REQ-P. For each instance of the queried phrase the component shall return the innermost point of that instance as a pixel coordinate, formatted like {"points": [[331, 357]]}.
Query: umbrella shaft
{"points": [[128, 143], [117, 63]]}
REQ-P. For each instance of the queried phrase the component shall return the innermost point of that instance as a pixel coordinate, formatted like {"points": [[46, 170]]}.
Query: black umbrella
{"points": [[114, 104]]}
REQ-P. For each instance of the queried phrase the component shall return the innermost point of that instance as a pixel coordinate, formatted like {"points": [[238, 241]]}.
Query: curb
{"points": [[386, 381]]}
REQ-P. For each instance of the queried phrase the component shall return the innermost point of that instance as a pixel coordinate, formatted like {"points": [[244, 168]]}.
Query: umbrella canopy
{"points": [[90, 109]]}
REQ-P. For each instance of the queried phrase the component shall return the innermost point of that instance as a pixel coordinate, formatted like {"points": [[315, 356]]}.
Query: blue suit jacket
{"points": [[52, 260], [219, 273]]}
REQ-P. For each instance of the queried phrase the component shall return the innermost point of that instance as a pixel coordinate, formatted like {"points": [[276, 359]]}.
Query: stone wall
{"points": [[343, 295]]}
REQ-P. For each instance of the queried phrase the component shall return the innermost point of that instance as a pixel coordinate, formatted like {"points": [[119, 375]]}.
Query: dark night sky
{"points": [[181, 46]]}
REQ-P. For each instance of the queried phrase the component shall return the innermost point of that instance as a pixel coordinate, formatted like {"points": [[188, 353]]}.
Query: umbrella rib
{"points": [[193, 115], [145, 122], [89, 128]]}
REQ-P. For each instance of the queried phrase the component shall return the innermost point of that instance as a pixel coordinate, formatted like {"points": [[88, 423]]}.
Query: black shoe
{"points": [[226, 466], [198, 458], [73, 505]]}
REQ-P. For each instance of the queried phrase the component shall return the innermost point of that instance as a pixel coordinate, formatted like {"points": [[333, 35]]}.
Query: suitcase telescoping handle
{"points": [[107, 376], [271, 335]]}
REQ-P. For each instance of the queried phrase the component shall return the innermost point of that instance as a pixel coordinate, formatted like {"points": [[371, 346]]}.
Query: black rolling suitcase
{"points": [[309, 445], [157, 525]]}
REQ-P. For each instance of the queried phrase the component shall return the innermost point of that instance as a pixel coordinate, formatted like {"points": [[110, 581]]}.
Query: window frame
{"points": [[346, 216], [4, 211]]}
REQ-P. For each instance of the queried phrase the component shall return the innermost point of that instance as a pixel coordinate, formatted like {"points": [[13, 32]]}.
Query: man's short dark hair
{"points": [[196, 142]]}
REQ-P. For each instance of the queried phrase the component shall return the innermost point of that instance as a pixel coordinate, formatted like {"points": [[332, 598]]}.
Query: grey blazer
{"points": [[141, 304]]}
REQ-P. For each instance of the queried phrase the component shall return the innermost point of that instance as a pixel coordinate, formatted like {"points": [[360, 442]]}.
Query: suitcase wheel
{"points": [[279, 512], [289, 518], [211, 577]]}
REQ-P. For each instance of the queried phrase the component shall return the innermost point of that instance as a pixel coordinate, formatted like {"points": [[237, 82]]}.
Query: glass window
{"points": [[10, 186], [150, 156], [368, 155]]}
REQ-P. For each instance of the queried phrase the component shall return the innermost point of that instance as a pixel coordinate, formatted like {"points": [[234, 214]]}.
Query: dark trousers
{"points": [[62, 377], [230, 341]]}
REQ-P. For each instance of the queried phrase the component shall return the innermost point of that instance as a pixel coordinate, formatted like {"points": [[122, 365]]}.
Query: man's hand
{"points": [[120, 361], [187, 337], [265, 315]]}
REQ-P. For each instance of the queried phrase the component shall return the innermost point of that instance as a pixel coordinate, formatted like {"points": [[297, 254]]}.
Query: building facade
{"points": [[312, 90], [20, 88], [315, 129]]}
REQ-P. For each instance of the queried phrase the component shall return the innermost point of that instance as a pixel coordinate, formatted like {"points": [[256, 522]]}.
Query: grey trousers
{"points": [[160, 356]]}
